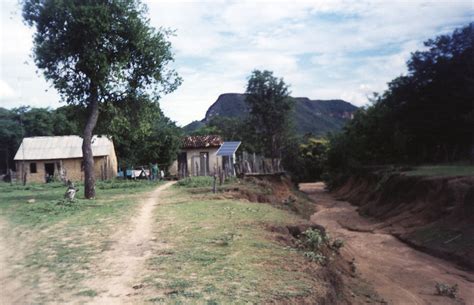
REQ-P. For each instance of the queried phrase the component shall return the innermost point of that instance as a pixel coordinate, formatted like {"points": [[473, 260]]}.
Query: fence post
{"points": [[214, 184]]}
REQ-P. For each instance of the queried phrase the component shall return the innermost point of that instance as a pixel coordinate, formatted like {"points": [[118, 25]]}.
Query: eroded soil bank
{"points": [[399, 273], [432, 214]]}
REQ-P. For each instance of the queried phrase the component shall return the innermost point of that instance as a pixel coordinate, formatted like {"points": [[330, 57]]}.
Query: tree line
{"points": [[111, 67], [426, 116], [141, 133]]}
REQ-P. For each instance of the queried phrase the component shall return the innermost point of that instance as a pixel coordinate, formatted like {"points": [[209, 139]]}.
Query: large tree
{"points": [[270, 106], [99, 50]]}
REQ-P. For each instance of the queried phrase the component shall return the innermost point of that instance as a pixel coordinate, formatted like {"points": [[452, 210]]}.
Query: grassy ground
{"points": [[54, 241], [442, 170], [218, 251], [207, 249]]}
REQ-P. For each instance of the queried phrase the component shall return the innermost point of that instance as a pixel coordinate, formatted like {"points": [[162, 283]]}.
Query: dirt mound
{"points": [[276, 190], [434, 214]]}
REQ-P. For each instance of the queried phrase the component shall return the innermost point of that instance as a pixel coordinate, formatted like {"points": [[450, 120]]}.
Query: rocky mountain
{"points": [[310, 116]]}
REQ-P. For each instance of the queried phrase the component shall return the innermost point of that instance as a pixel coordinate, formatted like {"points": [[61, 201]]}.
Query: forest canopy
{"points": [[426, 116]]}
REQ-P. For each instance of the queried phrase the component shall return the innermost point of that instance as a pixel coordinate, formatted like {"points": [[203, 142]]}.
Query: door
{"points": [[182, 164], [49, 171], [204, 163]]}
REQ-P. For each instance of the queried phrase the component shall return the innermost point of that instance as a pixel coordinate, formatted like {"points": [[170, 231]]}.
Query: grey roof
{"points": [[228, 148], [60, 147]]}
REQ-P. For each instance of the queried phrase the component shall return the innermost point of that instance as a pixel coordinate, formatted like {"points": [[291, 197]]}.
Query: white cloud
{"points": [[5, 90], [324, 49]]}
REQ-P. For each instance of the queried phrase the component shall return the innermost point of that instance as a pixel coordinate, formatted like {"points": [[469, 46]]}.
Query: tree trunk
{"points": [[88, 158]]}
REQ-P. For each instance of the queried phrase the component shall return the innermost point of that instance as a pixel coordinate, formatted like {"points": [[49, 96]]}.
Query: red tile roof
{"points": [[202, 141]]}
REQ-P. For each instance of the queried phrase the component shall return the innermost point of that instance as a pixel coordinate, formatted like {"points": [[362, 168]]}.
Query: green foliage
{"points": [[142, 134], [315, 257], [198, 181], [123, 184], [97, 51], [314, 239], [88, 293], [316, 117], [337, 244], [305, 159], [270, 107], [425, 116], [233, 129], [31, 122]]}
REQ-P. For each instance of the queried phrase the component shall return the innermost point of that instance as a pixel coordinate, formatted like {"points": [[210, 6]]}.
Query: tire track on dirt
{"points": [[117, 268]]}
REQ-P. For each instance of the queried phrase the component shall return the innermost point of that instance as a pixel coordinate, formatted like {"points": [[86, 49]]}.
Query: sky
{"points": [[333, 49]]}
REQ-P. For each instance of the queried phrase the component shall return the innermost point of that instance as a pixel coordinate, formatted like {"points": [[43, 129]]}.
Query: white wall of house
{"points": [[193, 157]]}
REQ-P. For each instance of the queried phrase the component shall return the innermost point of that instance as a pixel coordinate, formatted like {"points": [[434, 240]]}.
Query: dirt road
{"points": [[118, 267], [400, 274]]}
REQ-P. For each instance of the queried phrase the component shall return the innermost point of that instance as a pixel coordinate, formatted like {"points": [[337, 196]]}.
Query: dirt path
{"points": [[131, 247], [400, 274], [11, 289]]}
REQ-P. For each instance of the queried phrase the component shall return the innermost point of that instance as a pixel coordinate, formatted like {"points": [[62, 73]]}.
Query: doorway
{"points": [[49, 171], [204, 163], [182, 165]]}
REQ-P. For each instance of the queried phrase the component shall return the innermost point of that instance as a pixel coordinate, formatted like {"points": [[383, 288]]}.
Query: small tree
{"points": [[270, 106], [99, 50]]}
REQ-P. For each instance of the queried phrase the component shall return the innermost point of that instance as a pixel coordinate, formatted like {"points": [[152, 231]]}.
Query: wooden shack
{"points": [[197, 156], [41, 159]]}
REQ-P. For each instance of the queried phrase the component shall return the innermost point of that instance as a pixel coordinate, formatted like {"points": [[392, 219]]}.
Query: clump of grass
{"points": [[199, 181], [314, 240], [316, 257], [87, 293], [337, 244]]}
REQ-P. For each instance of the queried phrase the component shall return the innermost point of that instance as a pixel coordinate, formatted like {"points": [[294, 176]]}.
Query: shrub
{"points": [[316, 257], [337, 244], [314, 238], [447, 290]]}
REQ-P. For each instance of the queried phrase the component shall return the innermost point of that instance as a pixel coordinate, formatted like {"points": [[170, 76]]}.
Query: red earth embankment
{"points": [[433, 214]]}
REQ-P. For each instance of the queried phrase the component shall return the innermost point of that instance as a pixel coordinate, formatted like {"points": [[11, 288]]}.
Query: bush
{"points": [[314, 238], [316, 257], [337, 244]]}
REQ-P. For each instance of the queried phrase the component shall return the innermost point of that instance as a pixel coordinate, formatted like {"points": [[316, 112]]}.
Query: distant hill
{"points": [[310, 116]]}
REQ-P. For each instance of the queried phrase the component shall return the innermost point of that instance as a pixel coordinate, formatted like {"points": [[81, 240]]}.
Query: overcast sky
{"points": [[323, 49]]}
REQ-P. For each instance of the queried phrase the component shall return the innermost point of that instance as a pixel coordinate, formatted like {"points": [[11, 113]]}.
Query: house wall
{"points": [[173, 169], [105, 167], [193, 156]]}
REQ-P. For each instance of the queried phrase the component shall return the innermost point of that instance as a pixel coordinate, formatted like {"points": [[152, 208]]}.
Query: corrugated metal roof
{"points": [[228, 148], [60, 147]]}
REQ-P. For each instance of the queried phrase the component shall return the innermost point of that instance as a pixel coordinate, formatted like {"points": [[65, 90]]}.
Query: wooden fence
{"points": [[253, 164]]}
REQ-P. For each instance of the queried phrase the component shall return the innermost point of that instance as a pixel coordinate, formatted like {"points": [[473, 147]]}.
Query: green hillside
{"points": [[310, 116]]}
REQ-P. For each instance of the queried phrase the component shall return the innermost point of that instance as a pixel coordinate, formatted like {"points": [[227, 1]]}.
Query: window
{"points": [[33, 168]]}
